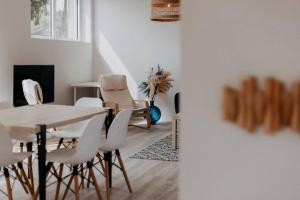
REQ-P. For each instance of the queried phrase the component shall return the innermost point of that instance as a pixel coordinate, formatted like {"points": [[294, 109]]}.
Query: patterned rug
{"points": [[160, 150]]}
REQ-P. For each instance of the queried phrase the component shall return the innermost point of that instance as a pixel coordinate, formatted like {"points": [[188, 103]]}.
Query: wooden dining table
{"points": [[37, 119]]}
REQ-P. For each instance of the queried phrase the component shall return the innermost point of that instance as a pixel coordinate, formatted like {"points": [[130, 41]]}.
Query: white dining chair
{"points": [[32, 92], [8, 159], [84, 152], [74, 131], [116, 139], [22, 139]]}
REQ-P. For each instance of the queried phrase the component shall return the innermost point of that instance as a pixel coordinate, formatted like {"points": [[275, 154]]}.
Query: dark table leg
{"points": [[109, 120], [41, 137]]}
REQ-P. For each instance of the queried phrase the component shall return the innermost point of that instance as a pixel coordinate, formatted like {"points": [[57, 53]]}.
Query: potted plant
{"points": [[159, 81]]}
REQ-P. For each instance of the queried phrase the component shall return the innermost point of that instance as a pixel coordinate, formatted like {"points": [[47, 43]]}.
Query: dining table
{"points": [[37, 119]]}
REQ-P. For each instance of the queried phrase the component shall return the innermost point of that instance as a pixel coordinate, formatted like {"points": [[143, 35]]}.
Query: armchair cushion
{"points": [[113, 82], [120, 97]]}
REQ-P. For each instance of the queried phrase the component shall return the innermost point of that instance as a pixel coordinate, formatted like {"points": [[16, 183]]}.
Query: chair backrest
{"points": [[90, 140], [6, 147], [32, 92], [84, 102], [5, 105], [117, 132], [114, 89], [89, 102]]}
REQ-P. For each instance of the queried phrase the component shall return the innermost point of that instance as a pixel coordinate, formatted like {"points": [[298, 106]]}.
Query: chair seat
{"points": [[67, 134], [17, 157], [65, 156], [107, 148], [29, 137], [20, 137], [61, 156]]}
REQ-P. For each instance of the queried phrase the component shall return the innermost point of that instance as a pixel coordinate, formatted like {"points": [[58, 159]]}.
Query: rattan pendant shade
{"points": [[165, 10]]}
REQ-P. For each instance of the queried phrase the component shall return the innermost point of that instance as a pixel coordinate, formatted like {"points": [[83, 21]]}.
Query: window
{"points": [[55, 19]]}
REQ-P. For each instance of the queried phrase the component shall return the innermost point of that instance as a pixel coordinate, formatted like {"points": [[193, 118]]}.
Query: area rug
{"points": [[160, 150]]}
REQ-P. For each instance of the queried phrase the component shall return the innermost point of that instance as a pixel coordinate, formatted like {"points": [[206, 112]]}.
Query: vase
{"points": [[155, 113]]}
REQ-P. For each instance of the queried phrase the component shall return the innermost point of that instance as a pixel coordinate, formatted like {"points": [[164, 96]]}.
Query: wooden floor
{"points": [[157, 180]]}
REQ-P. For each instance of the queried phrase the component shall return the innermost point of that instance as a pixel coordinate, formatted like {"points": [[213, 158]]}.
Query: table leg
{"points": [[174, 133], [98, 92], [75, 94], [109, 120], [42, 161], [109, 155]]}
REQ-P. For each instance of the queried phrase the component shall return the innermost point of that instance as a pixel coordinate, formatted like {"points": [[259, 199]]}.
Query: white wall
{"points": [[72, 60], [224, 41], [127, 42]]}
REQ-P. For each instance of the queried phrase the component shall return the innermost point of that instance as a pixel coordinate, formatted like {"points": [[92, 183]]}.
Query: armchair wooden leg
{"points": [[148, 118], [61, 166], [8, 186], [123, 170]]}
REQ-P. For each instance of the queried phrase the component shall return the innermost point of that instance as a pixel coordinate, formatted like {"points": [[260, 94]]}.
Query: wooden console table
{"points": [[95, 85]]}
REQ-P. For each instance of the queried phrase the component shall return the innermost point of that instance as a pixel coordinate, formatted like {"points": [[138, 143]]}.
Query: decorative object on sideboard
{"points": [[165, 10], [159, 81], [273, 108]]}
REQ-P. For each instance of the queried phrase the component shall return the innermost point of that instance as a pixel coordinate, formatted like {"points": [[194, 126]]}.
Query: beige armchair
{"points": [[115, 94]]}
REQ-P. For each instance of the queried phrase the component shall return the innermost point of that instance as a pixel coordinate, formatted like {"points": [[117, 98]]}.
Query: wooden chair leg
{"points": [[123, 170], [30, 170], [101, 161], [31, 189], [92, 175], [61, 166], [13, 167], [68, 187], [82, 176], [76, 184], [8, 186], [89, 175], [106, 174], [88, 181]]}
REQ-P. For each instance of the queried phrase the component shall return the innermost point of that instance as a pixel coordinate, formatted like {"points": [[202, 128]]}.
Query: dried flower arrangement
{"points": [[159, 81]]}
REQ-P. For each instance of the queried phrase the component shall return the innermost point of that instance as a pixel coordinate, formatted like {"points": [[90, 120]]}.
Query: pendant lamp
{"points": [[165, 10]]}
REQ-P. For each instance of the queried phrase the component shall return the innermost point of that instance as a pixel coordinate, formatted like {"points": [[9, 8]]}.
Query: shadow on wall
{"points": [[106, 56], [115, 63]]}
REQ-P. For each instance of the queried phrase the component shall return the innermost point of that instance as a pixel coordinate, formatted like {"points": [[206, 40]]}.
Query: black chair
{"points": [[177, 102]]}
